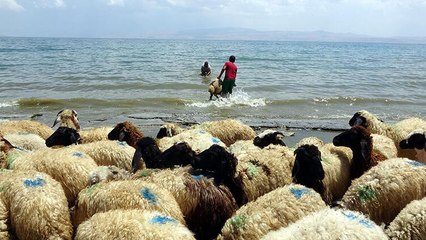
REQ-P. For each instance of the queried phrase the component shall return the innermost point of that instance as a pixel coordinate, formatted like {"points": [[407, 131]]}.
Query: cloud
{"points": [[50, 4], [10, 5], [116, 2]]}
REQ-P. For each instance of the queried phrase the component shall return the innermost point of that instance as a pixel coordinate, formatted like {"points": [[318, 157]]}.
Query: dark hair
{"points": [[206, 64], [232, 58]]}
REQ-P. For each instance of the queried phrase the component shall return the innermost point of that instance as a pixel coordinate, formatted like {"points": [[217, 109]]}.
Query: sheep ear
{"points": [[364, 148], [136, 159], [57, 120], [75, 120]]}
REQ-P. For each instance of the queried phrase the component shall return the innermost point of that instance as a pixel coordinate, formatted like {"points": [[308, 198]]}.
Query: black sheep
{"points": [[64, 136], [269, 137]]}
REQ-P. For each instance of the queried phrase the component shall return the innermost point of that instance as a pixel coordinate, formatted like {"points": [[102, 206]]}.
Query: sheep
{"points": [[416, 140], [127, 132], [359, 140], [94, 134], [33, 206], [25, 126], [384, 190], [169, 130], [263, 170], [205, 205], [67, 166], [228, 130], [326, 169], [106, 174], [310, 141], [330, 224], [8, 153], [215, 88], [132, 224], [147, 149], [125, 194], [410, 223], [67, 133], [107, 152], [272, 211], [267, 137], [396, 132], [27, 141]]}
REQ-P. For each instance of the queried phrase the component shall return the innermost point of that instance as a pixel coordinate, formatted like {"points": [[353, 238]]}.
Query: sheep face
{"points": [[264, 139], [307, 169], [146, 149], [178, 154], [63, 136], [120, 133], [68, 118], [414, 141], [164, 132]]}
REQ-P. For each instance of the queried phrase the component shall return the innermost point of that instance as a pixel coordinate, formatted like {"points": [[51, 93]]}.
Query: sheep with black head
{"points": [[126, 132], [416, 140], [267, 137]]}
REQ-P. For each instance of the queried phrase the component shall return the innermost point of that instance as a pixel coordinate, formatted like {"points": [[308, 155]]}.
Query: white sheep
{"points": [[25, 126], [28, 141], [107, 152], [384, 190], [272, 211], [416, 140], [228, 130], [215, 88], [125, 194], [106, 174], [67, 166], [396, 132], [33, 206], [326, 169], [67, 118], [132, 224], [410, 223], [94, 134], [330, 224]]}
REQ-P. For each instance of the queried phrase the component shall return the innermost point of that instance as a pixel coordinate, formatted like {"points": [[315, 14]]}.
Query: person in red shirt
{"points": [[230, 70]]}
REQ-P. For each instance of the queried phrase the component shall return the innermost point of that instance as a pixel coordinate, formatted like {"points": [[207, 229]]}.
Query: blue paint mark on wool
{"points": [[38, 182], [215, 140], [201, 131], [359, 219], [197, 177], [149, 195], [159, 219], [77, 154], [298, 192], [415, 163], [121, 143]]}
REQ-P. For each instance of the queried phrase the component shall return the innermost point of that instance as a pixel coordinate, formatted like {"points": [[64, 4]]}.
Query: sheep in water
{"points": [[416, 140], [326, 169], [215, 88], [359, 140], [67, 133]]}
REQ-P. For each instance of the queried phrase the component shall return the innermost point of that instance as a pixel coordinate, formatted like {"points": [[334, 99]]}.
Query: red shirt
{"points": [[230, 70]]}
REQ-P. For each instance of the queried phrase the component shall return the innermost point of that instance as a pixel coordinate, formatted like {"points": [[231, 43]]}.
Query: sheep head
{"points": [[307, 169], [414, 140], [146, 149], [361, 118], [126, 132], [63, 136], [67, 118], [169, 130], [269, 137], [178, 154]]}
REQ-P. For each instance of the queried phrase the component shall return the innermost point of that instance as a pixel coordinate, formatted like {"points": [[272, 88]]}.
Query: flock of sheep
{"points": [[214, 180]]}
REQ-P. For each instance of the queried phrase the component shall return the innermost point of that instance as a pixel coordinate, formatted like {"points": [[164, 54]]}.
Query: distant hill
{"points": [[250, 34]]}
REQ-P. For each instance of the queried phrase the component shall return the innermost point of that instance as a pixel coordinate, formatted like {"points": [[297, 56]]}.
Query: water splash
{"points": [[238, 98], [8, 104]]}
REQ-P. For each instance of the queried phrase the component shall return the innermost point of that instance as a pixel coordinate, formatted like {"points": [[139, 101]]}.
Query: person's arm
{"points": [[221, 72]]}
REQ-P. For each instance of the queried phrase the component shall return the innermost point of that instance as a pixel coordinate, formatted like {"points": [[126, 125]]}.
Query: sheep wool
{"points": [[67, 166], [265, 169], [125, 194], [28, 141], [25, 126], [330, 224], [410, 223], [132, 224], [229, 130], [106, 174], [95, 134], [205, 206], [107, 152], [34, 205], [272, 211], [384, 145], [384, 190], [198, 139]]}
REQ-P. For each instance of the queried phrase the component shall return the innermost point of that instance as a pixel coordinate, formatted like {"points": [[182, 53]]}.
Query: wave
{"points": [[238, 98], [8, 104]]}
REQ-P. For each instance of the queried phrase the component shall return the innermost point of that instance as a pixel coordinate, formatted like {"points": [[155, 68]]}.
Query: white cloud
{"points": [[50, 4], [10, 5], [116, 2]]}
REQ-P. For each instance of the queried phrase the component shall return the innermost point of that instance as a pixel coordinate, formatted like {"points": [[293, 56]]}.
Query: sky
{"points": [[134, 18]]}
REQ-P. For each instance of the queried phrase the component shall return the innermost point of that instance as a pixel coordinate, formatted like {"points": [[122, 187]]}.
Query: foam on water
{"points": [[238, 98], [8, 104]]}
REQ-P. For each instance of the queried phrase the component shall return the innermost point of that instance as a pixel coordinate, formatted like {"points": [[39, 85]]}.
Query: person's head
{"points": [[232, 58], [206, 64]]}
